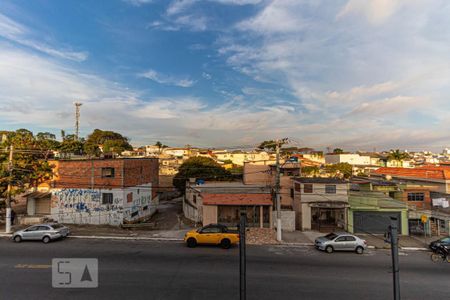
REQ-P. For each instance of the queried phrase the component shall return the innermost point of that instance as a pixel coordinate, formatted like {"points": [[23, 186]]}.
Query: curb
{"points": [[297, 244], [141, 238], [413, 249]]}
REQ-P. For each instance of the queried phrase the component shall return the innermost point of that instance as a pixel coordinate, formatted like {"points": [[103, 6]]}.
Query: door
{"points": [[374, 222], [209, 235], [42, 206], [340, 243], [30, 233], [42, 230], [351, 243]]}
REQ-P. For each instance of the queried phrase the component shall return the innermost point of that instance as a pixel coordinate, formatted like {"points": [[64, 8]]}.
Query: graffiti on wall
{"points": [[83, 206]]}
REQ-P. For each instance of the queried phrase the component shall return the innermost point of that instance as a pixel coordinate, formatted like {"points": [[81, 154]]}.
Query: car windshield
{"points": [[331, 236]]}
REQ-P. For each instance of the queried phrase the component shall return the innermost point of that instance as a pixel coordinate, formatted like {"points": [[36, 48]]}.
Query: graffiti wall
{"points": [[84, 206], [102, 206], [138, 203]]}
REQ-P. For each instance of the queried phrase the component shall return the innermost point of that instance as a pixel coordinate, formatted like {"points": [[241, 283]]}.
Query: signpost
{"points": [[242, 256]]}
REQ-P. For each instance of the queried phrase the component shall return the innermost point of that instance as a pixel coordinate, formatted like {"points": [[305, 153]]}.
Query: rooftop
{"points": [[442, 173], [231, 187], [320, 180], [374, 200], [237, 199]]}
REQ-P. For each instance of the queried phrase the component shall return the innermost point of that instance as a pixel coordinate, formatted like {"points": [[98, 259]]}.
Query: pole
{"points": [[242, 257], [9, 190], [394, 254], [277, 191]]}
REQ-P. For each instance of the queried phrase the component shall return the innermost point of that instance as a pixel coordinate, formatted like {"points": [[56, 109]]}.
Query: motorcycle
{"points": [[440, 254]]}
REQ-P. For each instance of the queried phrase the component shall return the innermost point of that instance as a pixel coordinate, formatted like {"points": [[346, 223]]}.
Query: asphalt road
{"points": [[169, 270]]}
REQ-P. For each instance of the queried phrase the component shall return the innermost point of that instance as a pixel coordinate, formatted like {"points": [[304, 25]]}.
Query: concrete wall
{"points": [[84, 206], [209, 214], [319, 195], [353, 159], [257, 174], [287, 220]]}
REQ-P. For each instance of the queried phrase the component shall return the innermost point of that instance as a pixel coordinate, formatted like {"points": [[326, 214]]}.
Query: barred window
{"points": [[416, 196]]}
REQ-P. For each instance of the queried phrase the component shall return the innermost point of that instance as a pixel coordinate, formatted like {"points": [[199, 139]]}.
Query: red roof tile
{"points": [[237, 199], [423, 172]]}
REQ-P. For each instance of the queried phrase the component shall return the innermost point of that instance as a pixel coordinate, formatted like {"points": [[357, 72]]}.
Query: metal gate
{"points": [[374, 222]]}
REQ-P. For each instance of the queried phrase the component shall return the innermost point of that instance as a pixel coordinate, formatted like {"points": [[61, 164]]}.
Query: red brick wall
{"points": [[426, 204], [88, 173]]}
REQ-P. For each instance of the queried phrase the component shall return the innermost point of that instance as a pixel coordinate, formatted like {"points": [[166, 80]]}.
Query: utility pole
{"points": [[394, 254], [9, 190], [77, 119], [277, 192], [242, 257]]}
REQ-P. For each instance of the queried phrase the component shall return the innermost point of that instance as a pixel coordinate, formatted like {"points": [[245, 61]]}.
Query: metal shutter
{"points": [[374, 222], [42, 206]]}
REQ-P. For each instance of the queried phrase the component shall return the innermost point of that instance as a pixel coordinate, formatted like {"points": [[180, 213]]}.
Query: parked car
{"points": [[41, 232], [443, 241], [340, 242], [213, 234]]}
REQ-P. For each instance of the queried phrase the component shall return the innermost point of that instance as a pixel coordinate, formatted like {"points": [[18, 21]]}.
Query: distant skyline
{"points": [[346, 73]]}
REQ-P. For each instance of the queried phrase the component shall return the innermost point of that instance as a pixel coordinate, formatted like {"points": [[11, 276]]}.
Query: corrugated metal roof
{"points": [[237, 199]]}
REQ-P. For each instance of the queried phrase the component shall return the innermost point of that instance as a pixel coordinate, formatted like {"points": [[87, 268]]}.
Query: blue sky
{"points": [[345, 73]]}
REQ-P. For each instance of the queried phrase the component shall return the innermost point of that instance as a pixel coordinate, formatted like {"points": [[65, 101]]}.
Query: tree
{"points": [[310, 170], [110, 141], [397, 155], [338, 151], [200, 168], [70, 145], [160, 146], [270, 145], [344, 170], [30, 166]]}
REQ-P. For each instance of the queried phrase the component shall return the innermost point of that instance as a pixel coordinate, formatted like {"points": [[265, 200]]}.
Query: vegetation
{"points": [[112, 142], [160, 146], [338, 151], [397, 155], [200, 168], [30, 165], [269, 145], [344, 170], [310, 171]]}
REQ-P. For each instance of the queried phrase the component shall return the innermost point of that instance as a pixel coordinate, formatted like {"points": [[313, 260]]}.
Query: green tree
{"points": [[270, 145], [310, 171], [397, 155], [30, 166], [70, 145], [160, 146], [110, 141], [200, 168], [338, 151], [344, 170]]}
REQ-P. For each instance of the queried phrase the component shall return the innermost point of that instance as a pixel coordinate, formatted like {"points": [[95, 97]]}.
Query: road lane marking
{"points": [[32, 266]]}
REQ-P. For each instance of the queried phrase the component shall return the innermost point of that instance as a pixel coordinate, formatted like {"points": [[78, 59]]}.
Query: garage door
{"points": [[374, 222], [42, 206]]}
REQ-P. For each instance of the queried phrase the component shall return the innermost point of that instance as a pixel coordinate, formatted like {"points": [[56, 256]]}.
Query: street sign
{"points": [[424, 218]]}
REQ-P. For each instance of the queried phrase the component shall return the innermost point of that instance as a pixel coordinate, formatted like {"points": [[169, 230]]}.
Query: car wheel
{"points": [[191, 242], [435, 257], [17, 239], [46, 239], [359, 250], [329, 249], [225, 244]]}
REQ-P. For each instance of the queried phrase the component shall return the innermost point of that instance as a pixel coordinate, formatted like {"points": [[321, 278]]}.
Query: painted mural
{"points": [[84, 206]]}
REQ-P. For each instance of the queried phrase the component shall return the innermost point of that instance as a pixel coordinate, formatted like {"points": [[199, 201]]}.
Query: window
{"points": [[292, 193], [34, 228], [308, 188], [107, 172], [43, 228], [330, 189], [350, 238], [341, 239], [297, 187], [212, 230], [107, 198], [416, 196], [194, 198]]}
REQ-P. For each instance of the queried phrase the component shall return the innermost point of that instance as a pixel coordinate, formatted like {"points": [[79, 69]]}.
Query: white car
{"points": [[41, 232], [340, 242]]}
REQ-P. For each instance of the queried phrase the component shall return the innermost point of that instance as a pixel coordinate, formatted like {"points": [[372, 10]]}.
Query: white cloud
{"points": [[165, 79], [18, 33], [376, 11], [137, 2]]}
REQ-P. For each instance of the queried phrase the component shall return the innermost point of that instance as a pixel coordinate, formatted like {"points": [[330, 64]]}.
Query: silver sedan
{"points": [[42, 232], [340, 242]]}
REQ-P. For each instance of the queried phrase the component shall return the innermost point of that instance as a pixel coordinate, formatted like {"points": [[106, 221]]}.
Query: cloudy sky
{"points": [[345, 73]]}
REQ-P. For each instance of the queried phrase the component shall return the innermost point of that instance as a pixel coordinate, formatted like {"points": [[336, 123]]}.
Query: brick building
{"points": [[98, 191]]}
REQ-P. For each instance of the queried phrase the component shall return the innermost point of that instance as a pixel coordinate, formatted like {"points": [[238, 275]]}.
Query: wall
{"points": [[319, 195], [287, 220], [353, 159], [84, 206], [209, 214], [257, 174]]}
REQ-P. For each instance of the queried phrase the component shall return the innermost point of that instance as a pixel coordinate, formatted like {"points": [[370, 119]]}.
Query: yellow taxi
{"points": [[213, 234]]}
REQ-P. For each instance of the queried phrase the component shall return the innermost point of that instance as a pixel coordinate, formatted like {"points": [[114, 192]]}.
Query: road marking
{"points": [[32, 266]]}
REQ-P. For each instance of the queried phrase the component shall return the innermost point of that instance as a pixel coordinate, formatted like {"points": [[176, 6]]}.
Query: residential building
{"points": [[222, 202], [370, 212], [98, 191], [350, 158], [320, 203], [240, 157]]}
